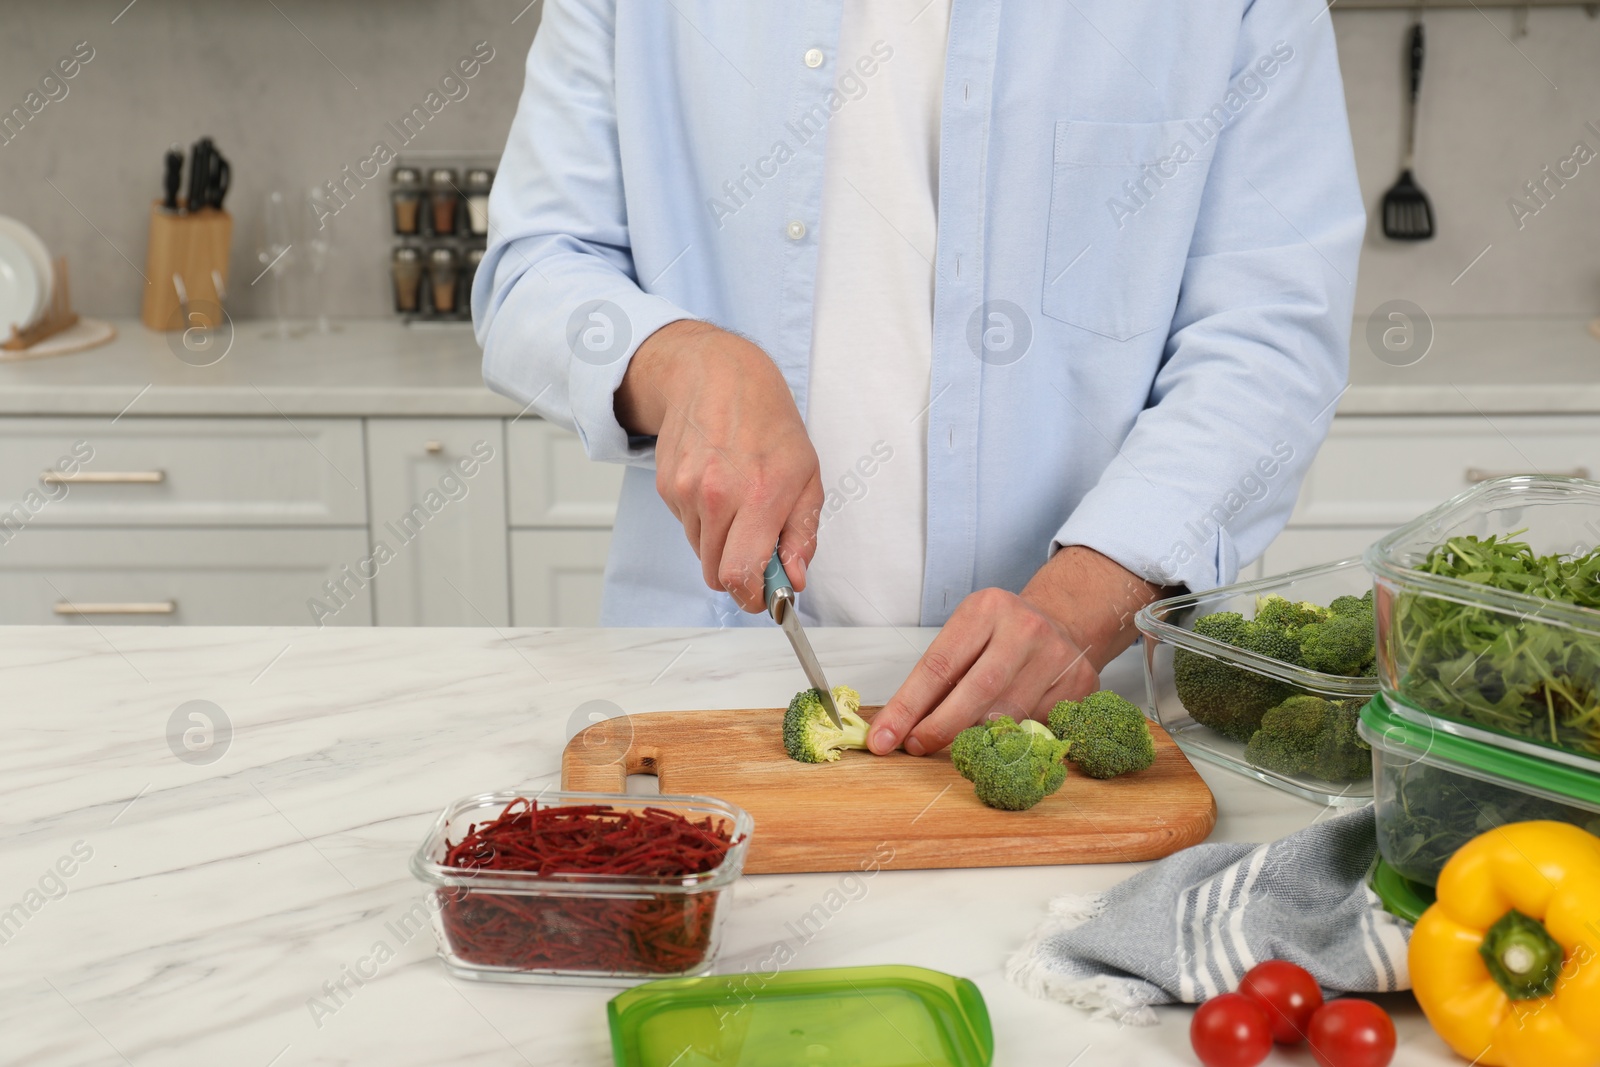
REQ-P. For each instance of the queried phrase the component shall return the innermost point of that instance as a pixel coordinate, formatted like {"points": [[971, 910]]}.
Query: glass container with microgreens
{"points": [[589, 888], [1488, 612]]}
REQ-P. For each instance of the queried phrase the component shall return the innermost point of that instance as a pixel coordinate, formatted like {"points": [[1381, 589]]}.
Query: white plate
{"points": [[20, 286], [43, 264]]}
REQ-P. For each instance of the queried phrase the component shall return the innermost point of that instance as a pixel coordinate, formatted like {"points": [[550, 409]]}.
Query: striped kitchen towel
{"points": [[1189, 927]]}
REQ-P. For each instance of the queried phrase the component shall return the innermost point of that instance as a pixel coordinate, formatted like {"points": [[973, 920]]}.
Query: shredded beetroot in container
{"points": [[642, 933]]}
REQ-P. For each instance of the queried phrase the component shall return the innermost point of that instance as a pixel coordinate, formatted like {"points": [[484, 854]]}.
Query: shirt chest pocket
{"points": [[1123, 201]]}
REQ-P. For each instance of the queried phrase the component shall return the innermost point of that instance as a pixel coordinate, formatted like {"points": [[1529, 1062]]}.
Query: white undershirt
{"points": [[872, 333]]}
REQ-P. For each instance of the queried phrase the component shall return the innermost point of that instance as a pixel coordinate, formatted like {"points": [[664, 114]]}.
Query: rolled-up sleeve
{"points": [[1258, 353], [557, 304]]}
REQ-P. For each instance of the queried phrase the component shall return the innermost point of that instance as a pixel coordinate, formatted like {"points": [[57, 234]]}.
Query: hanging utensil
{"points": [[1407, 215]]}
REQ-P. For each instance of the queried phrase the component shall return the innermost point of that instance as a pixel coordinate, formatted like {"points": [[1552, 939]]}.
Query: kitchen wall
{"points": [[294, 90]]}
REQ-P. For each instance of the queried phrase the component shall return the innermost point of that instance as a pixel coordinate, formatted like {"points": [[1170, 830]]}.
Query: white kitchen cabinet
{"points": [[182, 472], [439, 521], [222, 577], [556, 576], [1377, 472], [553, 483], [1300, 547], [1386, 470]]}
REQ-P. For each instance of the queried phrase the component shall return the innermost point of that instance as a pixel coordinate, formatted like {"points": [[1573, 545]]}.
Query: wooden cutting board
{"points": [[895, 811]]}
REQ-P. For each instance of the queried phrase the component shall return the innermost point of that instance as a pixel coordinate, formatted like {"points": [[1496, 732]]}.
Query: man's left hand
{"points": [[1002, 653]]}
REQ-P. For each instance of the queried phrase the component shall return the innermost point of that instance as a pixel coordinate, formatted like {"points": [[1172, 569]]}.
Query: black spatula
{"points": [[1407, 215]]}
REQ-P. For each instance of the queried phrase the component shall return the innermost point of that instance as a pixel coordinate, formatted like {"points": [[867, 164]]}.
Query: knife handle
{"points": [[775, 580]]}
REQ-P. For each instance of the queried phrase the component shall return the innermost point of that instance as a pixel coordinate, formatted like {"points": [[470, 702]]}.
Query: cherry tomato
{"points": [[1351, 1033], [1286, 994], [1230, 1031]]}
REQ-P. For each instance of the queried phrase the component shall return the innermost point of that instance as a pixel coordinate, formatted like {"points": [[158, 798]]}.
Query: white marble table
{"points": [[217, 899]]}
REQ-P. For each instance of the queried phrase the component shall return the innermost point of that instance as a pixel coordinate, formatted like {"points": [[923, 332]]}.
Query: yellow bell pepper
{"points": [[1505, 964]]}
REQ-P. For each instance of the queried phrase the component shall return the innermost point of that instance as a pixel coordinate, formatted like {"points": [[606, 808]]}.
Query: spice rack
{"points": [[439, 218]]}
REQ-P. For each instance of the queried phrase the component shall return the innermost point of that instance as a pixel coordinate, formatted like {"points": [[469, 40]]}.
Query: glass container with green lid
{"points": [[1434, 791], [884, 1016]]}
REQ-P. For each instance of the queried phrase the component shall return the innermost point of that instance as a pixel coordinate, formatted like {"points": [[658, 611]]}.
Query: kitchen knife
{"points": [[221, 178], [780, 604], [199, 174], [171, 179]]}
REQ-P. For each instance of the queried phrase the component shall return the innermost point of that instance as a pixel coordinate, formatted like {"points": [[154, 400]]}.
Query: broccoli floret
{"points": [[1352, 605], [810, 736], [1282, 613], [1344, 644], [1109, 736], [1012, 765], [1228, 699], [1309, 735]]}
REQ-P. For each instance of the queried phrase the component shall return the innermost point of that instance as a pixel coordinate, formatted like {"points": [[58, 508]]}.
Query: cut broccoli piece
{"points": [[810, 736], [1109, 736], [1309, 735], [1012, 765]]}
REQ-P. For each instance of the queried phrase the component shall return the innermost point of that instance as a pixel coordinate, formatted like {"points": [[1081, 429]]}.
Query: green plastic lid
{"points": [[857, 1016], [1385, 730], [1400, 895]]}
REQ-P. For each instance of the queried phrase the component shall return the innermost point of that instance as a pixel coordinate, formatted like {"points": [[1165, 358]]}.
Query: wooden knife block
{"points": [[187, 268]]}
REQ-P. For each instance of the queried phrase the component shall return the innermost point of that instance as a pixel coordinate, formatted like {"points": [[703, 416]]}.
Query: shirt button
{"points": [[795, 230], [814, 58]]}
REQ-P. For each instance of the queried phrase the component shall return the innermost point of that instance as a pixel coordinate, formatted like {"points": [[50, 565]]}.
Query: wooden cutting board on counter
{"points": [[895, 811]]}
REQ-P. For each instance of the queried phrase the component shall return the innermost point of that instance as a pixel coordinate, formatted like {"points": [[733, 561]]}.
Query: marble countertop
{"points": [[207, 904], [384, 368], [366, 367]]}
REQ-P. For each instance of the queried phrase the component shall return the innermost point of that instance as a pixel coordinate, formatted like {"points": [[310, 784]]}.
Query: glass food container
{"points": [[576, 918], [1496, 665], [1435, 791], [1248, 684]]}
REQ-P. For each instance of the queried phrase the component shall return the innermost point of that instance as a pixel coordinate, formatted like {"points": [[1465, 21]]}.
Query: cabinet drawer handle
{"points": [[103, 478], [1478, 474], [155, 607], [434, 447]]}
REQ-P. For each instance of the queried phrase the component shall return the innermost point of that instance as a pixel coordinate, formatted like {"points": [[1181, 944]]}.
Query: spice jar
{"points": [[479, 181], [406, 197], [445, 196], [443, 269], [469, 274], [407, 271]]}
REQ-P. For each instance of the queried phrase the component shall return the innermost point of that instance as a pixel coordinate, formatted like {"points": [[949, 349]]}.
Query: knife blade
{"points": [[781, 606]]}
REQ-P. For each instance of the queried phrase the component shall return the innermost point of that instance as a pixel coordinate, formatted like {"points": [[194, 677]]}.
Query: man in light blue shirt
{"points": [[1147, 227]]}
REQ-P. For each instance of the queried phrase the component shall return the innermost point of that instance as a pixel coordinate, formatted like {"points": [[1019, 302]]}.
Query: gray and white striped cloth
{"points": [[1189, 928]]}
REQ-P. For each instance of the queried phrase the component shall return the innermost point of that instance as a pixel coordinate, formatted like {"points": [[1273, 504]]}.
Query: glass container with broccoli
{"points": [[1268, 677]]}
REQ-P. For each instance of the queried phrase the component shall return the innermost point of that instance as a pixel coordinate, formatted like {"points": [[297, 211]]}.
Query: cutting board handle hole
{"points": [[643, 785]]}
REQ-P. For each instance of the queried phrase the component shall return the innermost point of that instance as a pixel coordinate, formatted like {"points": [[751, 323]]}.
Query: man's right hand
{"points": [[733, 461]]}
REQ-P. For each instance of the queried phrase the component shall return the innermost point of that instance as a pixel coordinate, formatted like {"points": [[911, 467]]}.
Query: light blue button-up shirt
{"points": [[1148, 232]]}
